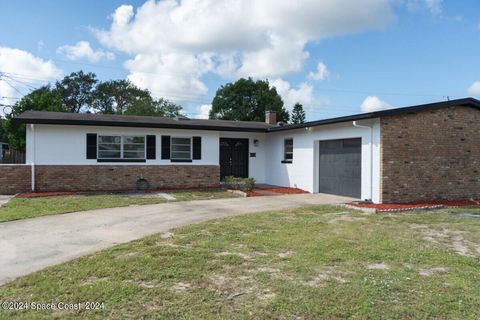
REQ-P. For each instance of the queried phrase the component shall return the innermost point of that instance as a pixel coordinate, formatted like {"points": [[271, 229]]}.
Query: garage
{"points": [[341, 167]]}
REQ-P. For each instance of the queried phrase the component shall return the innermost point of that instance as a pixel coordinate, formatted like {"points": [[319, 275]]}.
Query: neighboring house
{"points": [[3, 147], [429, 151]]}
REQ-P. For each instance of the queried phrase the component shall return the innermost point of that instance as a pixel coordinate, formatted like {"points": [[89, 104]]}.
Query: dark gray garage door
{"points": [[341, 167]]}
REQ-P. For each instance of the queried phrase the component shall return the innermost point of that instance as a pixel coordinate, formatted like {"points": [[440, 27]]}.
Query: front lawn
{"points": [[313, 263], [22, 208]]}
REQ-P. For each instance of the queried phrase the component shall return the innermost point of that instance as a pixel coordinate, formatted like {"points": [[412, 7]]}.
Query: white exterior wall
{"points": [[66, 145], [303, 171]]}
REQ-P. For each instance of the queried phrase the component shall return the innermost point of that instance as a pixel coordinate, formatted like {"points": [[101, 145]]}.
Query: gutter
{"points": [[32, 126], [371, 154]]}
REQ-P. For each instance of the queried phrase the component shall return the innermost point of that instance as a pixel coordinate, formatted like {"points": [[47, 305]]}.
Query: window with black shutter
{"points": [[151, 148], [165, 147], [197, 148], [91, 146]]}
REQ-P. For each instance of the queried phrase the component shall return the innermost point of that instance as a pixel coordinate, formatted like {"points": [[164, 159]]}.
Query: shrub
{"points": [[245, 184]]}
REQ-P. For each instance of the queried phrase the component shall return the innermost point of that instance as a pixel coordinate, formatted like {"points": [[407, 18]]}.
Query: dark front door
{"points": [[341, 167], [233, 157]]}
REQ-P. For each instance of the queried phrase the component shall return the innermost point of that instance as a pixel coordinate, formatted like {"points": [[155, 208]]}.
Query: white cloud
{"points": [[434, 6], [474, 89], [322, 72], [174, 43], [303, 93], [203, 111], [83, 50], [23, 71], [373, 103]]}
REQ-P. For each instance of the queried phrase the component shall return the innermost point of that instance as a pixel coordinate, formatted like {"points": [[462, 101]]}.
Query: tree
{"points": [[298, 114], [247, 100], [123, 97], [3, 137], [42, 99], [76, 91], [150, 107], [116, 96]]}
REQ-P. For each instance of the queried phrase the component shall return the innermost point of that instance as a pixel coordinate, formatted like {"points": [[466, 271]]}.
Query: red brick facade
{"points": [[107, 177], [14, 178], [431, 155]]}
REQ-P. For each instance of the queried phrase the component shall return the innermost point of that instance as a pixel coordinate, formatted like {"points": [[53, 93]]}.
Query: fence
{"points": [[12, 157]]}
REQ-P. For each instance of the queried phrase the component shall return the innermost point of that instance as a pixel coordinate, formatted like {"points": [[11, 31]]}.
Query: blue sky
{"points": [[372, 54]]}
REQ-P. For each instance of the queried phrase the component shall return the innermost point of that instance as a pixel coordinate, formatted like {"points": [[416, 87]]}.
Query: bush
{"points": [[245, 184]]}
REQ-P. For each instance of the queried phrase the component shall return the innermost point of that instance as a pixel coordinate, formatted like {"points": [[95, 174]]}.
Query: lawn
{"points": [[312, 263], [22, 208]]}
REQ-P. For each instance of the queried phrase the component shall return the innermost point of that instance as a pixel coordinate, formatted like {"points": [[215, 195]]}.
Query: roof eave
{"points": [[133, 125]]}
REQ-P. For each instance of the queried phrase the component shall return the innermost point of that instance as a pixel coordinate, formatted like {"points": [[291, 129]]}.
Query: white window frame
{"points": [[285, 160], [121, 146], [171, 149]]}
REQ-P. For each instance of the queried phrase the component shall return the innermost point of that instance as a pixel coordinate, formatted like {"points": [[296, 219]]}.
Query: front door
{"points": [[233, 157]]}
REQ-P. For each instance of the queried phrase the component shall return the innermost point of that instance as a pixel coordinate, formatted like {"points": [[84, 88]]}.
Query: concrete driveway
{"points": [[33, 244]]}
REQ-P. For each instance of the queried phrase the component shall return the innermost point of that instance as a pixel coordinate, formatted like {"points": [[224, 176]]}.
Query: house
{"points": [[422, 152], [3, 147]]}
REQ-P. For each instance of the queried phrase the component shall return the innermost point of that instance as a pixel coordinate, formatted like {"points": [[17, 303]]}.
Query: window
{"points": [[181, 149], [288, 150], [121, 147]]}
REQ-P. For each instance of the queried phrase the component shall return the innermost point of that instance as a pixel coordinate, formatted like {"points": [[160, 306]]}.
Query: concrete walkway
{"points": [[33, 244], [4, 199]]}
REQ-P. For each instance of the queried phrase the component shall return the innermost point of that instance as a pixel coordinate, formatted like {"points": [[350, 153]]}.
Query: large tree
{"points": [[247, 100], [76, 91], [116, 96], [82, 92], [298, 114], [150, 107], [123, 97], [42, 99]]}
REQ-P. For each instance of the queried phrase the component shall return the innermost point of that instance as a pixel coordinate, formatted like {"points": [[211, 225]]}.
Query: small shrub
{"points": [[245, 184], [249, 184]]}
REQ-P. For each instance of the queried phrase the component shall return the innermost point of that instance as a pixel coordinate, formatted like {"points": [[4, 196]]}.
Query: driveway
{"points": [[33, 244]]}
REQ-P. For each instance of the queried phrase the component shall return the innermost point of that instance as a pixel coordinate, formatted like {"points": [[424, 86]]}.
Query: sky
{"points": [[336, 57]]}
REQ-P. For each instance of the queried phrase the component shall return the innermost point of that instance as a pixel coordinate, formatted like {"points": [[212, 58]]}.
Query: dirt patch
{"points": [[246, 256], [340, 216], [451, 239], [91, 280], [428, 272], [378, 266], [285, 254], [268, 270], [166, 235], [327, 274], [181, 287], [148, 284]]}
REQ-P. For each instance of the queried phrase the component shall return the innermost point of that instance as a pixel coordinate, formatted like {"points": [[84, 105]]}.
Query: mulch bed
{"points": [[417, 205]]}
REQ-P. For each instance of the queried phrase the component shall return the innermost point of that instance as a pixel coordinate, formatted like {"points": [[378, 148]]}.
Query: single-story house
{"points": [[423, 152]]}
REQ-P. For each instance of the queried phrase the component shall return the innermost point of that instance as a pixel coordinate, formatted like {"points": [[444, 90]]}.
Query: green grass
{"points": [[22, 208], [312, 263]]}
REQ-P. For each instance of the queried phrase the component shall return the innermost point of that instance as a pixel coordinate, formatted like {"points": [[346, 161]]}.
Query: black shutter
{"points": [[165, 147], [197, 148], [91, 146], [151, 150]]}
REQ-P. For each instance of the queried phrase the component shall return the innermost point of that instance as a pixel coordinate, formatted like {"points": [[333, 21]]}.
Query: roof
{"points": [[90, 119], [466, 102], [42, 117]]}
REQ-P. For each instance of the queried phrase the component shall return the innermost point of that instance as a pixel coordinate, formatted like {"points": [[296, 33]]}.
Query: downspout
{"points": [[32, 127], [371, 155]]}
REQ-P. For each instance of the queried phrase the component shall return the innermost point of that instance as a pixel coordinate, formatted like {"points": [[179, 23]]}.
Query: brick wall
{"points": [[17, 179], [431, 155], [123, 177], [14, 178]]}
